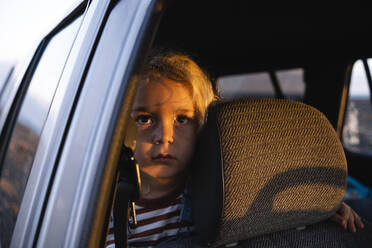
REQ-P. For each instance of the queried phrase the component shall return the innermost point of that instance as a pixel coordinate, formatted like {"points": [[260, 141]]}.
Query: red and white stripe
{"points": [[156, 222]]}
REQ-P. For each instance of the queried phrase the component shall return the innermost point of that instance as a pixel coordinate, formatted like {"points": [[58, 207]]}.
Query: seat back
{"points": [[263, 166]]}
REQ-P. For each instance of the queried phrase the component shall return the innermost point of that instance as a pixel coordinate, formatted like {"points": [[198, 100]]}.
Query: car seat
{"points": [[269, 173]]}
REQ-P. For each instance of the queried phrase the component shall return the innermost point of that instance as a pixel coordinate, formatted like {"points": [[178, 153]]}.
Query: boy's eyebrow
{"points": [[144, 109], [185, 110], [139, 109]]}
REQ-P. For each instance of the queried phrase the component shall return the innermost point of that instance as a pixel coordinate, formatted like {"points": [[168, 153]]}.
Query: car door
{"points": [[69, 186], [86, 171], [25, 108]]}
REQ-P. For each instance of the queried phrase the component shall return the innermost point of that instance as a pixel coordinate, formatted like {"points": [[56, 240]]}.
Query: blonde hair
{"points": [[181, 68]]}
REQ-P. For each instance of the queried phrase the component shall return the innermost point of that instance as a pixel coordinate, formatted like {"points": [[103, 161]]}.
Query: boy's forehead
{"points": [[162, 93]]}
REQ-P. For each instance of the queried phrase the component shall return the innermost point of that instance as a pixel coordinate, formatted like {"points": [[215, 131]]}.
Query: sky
{"points": [[24, 22], [359, 84]]}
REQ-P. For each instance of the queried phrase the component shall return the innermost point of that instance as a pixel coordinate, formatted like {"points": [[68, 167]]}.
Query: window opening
{"points": [[275, 81], [292, 83], [280, 84], [253, 85], [368, 75], [357, 132]]}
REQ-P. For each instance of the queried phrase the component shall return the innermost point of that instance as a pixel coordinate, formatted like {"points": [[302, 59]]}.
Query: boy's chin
{"points": [[161, 172]]}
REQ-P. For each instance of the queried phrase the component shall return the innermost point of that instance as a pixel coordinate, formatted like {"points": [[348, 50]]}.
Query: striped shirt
{"points": [[157, 220]]}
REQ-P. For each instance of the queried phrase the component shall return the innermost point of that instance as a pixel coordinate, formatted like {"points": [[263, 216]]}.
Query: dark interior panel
{"points": [[235, 37]]}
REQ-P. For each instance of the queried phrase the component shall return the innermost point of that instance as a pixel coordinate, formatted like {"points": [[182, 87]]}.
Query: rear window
{"points": [[281, 84]]}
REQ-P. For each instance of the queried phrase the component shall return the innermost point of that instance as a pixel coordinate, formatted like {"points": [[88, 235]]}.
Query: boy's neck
{"points": [[153, 188]]}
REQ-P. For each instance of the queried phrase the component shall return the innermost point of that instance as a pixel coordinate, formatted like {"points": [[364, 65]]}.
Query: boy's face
{"points": [[164, 112]]}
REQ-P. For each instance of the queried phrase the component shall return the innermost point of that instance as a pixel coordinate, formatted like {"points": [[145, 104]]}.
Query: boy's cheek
{"points": [[139, 152], [143, 136], [131, 134]]}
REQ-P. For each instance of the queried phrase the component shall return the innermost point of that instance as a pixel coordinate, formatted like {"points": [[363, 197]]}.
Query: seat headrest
{"points": [[262, 166]]}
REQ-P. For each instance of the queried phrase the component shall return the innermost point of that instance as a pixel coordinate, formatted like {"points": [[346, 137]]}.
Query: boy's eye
{"points": [[144, 120], [182, 119]]}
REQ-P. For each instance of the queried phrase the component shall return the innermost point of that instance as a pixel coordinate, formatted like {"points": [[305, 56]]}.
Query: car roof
{"points": [[232, 37]]}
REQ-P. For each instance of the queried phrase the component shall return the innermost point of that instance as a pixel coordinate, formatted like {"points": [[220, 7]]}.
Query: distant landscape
{"points": [[357, 133], [14, 175]]}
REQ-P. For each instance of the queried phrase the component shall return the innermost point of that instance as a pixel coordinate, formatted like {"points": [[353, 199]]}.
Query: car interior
{"points": [[238, 38], [230, 39], [280, 150]]}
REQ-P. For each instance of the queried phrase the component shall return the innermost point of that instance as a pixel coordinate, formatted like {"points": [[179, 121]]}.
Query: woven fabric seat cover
{"points": [[273, 165]]}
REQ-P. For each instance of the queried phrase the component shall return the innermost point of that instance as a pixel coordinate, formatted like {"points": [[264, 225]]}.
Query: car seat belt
{"points": [[128, 190]]}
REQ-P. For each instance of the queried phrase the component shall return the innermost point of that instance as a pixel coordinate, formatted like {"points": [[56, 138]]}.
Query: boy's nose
{"points": [[164, 133]]}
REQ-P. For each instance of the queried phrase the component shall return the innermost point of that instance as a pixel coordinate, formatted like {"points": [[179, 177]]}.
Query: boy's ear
{"points": [[131, 134]]}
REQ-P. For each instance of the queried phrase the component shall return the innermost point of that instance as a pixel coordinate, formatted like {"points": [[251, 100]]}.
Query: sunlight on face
{"points": [[164, 112]]}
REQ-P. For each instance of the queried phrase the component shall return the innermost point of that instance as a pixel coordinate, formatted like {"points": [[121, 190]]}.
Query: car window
{"points": [[246, 85], [24, 139], [357, 131], [6, 70], [292, 83], [262, 84]]}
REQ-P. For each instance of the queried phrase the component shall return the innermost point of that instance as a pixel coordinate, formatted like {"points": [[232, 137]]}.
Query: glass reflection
{"points": [[25, 137]]}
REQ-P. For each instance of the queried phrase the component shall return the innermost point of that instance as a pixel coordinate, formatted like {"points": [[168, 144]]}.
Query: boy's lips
{"points": [[163, 158]]}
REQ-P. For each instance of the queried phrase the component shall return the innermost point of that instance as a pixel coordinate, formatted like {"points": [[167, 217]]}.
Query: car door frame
{"points": [[70, 191], [37, 193]]}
